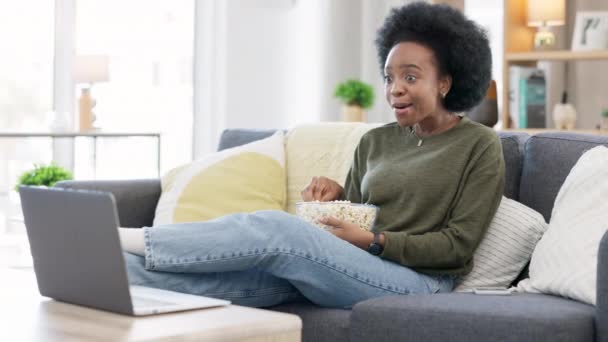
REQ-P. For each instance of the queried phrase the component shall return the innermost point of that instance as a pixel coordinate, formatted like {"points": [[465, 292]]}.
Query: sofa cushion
{"points": [[548, 158], [512, 149], [319, 324], [469, 317], [246, 178], [565, 259], [506, 247]]}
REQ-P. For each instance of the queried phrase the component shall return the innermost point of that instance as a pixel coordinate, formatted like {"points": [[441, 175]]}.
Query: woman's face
{"points": [[412, 84]]}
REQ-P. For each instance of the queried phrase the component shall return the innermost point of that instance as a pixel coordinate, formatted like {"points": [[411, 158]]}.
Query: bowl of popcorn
{"points": [[362, 215]]}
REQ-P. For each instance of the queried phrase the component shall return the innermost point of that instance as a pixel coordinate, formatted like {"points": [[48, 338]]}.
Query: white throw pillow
{"points": [[324, 149], [565, 260], [245, 178], [506, 247]]}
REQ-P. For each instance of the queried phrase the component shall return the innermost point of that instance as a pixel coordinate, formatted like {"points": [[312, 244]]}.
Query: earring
{"points": [[443, 95]]}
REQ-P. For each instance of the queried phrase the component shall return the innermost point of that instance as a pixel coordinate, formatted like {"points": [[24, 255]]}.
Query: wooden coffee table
{"points": [[27, 316]]}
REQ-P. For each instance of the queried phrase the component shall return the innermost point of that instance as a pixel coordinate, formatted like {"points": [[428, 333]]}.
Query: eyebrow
{"points": [[404, 66]]}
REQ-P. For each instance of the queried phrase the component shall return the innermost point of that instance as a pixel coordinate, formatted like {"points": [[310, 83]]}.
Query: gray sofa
{"points": [[535, 169]]}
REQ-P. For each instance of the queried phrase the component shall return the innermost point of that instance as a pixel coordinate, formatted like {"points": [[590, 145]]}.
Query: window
{"points": [[26, 99], [149, 45], [150, 49]]}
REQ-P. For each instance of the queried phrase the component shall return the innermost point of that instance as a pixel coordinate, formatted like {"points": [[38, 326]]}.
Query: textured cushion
{"points": [[324, 149], [565, 260], [507, 246], [548, 158], [512, 150], [469, 317], [319, 324], [247, 178]]}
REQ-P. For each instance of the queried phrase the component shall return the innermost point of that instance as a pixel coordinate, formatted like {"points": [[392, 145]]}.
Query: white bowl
{"points": [[362, 215]]}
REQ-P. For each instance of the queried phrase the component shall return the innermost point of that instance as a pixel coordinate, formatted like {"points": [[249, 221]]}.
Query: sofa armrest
{"points": [[601, 317], [135, 199]]}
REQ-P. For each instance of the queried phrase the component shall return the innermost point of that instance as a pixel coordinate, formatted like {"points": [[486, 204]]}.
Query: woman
{"points": [[437, 177]]}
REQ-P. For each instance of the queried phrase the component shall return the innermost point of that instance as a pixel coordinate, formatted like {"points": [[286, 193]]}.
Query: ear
{"points": [[445, 84]]}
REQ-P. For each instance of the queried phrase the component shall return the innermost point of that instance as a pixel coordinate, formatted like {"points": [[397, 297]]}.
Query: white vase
{"points": [[564, 116]]}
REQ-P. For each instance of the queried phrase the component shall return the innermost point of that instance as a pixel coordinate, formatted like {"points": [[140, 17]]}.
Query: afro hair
{"points": [[461, 48]]}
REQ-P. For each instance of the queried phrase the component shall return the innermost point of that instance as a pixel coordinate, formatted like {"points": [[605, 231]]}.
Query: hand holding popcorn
{"points": [[322, 189]]}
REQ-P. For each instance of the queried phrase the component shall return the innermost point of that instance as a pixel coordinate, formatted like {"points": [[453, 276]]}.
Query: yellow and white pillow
{"points": [[246, 178]]}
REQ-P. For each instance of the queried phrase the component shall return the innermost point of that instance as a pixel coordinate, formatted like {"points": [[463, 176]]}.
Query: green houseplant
{"points": [[356, 96], [44, 175]]}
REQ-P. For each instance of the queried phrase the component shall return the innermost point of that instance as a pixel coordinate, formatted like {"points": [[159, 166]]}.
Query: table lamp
{"points": [[542, 14], [89, 69]]}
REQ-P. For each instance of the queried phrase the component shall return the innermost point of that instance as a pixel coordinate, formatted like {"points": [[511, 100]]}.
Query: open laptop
{"points": [[78, 258]]}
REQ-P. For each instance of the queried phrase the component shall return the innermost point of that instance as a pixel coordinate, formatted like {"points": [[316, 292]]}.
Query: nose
{"points": [[396, 89]]}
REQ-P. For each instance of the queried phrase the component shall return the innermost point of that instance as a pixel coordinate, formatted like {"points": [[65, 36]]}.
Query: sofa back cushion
{"points": [[548, 159], [512, 149], [241, 136]]}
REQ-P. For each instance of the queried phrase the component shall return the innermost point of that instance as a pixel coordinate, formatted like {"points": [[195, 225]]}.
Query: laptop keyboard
{"points": [[141, 302]]}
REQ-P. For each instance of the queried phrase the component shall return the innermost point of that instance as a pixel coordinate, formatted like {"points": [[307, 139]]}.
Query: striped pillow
{"points": [[506, 247]]}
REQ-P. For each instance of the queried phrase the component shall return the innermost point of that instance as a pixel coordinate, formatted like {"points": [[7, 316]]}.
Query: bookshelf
{"points": [[560, 55], [519, 50]]}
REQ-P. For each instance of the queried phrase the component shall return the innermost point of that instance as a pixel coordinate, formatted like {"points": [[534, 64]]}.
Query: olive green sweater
{"points": [[436, 200]]}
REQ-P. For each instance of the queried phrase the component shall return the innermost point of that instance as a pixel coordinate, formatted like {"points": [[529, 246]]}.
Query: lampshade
{"points": [[546, 12], [91, 69]]}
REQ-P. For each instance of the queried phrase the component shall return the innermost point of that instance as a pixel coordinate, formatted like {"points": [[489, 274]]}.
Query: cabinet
{"points": [[519, 50]]}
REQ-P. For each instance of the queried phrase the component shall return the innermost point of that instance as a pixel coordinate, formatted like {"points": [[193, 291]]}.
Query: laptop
{"points": [[78, 258]]}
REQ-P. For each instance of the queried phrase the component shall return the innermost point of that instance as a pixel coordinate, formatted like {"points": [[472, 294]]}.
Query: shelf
{"points": [[557, 55], [533, 131]]}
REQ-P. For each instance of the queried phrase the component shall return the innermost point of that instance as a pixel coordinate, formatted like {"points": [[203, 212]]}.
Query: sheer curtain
{"points": [[26, 102]]}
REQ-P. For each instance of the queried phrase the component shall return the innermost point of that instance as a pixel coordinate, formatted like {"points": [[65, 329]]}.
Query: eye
{"points": [[387, 79], [411, 78]]}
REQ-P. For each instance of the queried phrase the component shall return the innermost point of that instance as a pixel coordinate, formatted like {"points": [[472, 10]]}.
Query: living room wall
{"points": [[275, 63]]}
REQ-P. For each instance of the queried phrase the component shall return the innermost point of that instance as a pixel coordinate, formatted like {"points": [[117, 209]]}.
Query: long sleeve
{"points": [[352, 184], [450, 247]]}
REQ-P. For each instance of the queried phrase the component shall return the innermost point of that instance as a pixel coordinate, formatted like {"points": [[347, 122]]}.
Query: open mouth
{"points": [[401, 105], [402, 108]]}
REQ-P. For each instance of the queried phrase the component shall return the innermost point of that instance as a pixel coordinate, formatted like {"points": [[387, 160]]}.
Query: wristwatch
{"points": [[375, 248]]}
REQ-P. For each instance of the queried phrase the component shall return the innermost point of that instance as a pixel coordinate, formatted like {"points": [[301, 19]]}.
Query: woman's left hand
{"points": [[349, 232]]}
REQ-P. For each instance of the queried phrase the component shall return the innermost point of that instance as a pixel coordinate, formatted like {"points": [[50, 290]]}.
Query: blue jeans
{"points": [[267, 258]]}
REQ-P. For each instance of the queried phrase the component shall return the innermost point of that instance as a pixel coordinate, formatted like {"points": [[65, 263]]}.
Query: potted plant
{"points": [[605, 119], [44, 175], [356, 96]]}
